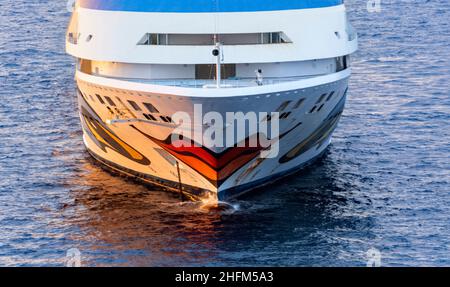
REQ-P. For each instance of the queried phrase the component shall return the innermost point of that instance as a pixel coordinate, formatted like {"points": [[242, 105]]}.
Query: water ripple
{"points": [[384, 183]]}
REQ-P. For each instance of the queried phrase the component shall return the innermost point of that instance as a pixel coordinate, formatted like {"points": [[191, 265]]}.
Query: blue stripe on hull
{"points": [[204, 6]]}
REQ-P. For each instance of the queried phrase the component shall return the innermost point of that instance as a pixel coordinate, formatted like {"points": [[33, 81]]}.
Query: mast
{"points": [[218, 49], [218, 54]]}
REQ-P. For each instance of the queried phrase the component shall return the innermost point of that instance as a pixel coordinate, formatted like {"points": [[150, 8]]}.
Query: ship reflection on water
{"points": [[148, 227], [122, 223]]}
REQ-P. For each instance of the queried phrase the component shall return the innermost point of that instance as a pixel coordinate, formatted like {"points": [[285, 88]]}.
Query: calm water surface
{"points": [[384, 183]]}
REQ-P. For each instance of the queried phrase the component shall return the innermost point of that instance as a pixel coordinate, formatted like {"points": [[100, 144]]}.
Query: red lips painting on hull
{"points": [[216, 167]]}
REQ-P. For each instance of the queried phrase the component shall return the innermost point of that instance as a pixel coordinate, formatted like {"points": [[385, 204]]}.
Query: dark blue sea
{"points": [[384, 182]]}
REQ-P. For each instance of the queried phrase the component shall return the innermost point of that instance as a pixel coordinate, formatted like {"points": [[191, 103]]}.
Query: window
{"points": [[342, 63], [299, 103], [283, 106], [148, 39], [285, 115], [100, 99], [208, 72], [151, 108], [110, 101], [135, 106], [154, 39], [72, 39], [72, 30], [322, 97], [150, 117], [274, 38], [163, 39], [330, 96], [208, 39], [85, 66]]}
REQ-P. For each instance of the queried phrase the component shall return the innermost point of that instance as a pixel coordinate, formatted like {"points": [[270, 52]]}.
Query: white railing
{"points": [[209, 84]]}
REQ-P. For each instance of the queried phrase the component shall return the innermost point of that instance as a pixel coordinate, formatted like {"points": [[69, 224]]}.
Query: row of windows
{"points": [[320, 104], [210, 39], [105, 100], [73, 38], [151, 108], [282, 109], [152, 118], [286, 104]]}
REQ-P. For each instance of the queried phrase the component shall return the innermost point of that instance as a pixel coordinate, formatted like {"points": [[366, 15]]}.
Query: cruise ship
{"points": [[145, 67]]}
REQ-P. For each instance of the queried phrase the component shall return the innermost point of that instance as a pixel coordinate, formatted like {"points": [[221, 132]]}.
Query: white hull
{"points": [[140, 148]]}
